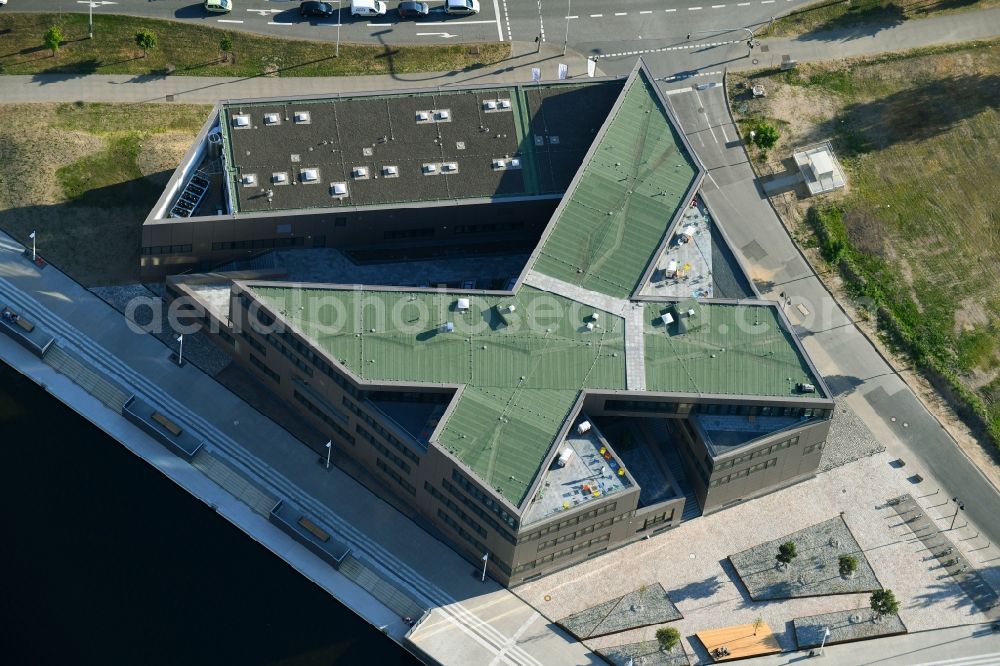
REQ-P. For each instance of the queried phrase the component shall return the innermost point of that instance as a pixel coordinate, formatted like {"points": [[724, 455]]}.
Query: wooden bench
{"points": [[27, 326], [167, 423], [314, 529]]}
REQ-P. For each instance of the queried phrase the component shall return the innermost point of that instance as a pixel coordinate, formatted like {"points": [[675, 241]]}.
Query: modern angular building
{"points": [[545, 422]]}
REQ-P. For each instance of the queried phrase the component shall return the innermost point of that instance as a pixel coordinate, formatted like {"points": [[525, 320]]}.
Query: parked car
{"points": [[321, 9], [219, 6], [414, 9], [367, 8], [461, 7]]}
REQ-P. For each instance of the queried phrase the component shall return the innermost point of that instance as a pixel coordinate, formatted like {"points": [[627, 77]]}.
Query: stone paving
{"points": [[645, 653], [639, 608], [816, 570], [849, 438], [845, 626], [691, 561]]}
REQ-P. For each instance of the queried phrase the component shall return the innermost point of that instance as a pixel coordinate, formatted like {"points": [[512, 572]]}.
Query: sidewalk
{"points": [[474, 616], [209, 90], [877, 38]]}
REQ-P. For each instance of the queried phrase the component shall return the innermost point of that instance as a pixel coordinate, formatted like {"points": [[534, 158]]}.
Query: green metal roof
{"points": [[726, 350], [521, 377], [610, 225]]}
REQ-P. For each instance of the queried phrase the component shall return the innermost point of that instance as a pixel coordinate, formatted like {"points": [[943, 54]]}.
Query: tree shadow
{"points": [[67, 72], [842, 384], [864, 19], [914, 114], [697, 590]]}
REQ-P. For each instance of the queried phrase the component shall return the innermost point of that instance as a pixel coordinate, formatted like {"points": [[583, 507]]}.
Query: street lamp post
{"points": [[329, 448], [959, 506], [34, 255], [180, 350], [90, 20], [822, 645], [569, 11], [336, 53], [486, 558]]}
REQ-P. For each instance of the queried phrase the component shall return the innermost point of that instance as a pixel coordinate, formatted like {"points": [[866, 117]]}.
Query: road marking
{"points": [[541, 23], [767, 2], [669, 48], [445, 35], [228, 21], [265, 12], [454, 23], [680, 77], [572, 17], [621, 13], [596, 15], [378, 25], [279, 23], [496, 12], [648, 11], [506, 19], [742, 4], [693, 9], [669, 10]]}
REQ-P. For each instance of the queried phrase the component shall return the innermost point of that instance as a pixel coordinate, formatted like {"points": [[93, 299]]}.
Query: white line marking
{"points": [[506, 20], [648, 11], [693, 9], [572, 17], [742, 4], [767, 2], [378, 25], [596, 15], [228, 21], [496, 12], [717, 6], [669, 10], [279, 23], [457, 23], [621, 13]]}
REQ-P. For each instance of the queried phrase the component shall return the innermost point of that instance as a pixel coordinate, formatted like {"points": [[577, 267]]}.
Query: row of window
{"points": [[166, 249], [287, 353], [260, 365], [487, 228], [476, 509], [563, 553], [478, 545], [574, 535], [324, 417], [759, 453], [381, 448], [484, 499], [394, 475], [466, 518], [733, 409], [377, 427], [767, 464], [555, 527], [255, 343], [396, 234], [813, 447], [260, 243]]}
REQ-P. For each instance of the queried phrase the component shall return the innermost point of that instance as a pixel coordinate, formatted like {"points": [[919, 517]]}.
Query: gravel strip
{"points": [[638, 608], [849, 439], [645, 653], [845, 626]]}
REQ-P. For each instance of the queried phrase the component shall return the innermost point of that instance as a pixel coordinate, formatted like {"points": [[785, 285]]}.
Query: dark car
{"points": [[322, 9], [414, 9]]}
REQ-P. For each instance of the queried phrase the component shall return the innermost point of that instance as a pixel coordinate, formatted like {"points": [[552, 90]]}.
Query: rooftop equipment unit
{"points": [[510, 308], [667, 319], [279, 178], [302, 117], [515, 163], [499, 164], [449, 167], [448, 327], [590, 325], [564, 457], [442, 114], [359, 172], [490, 105], [805, 388], [309, 175], [462, 305], [594, 316], [272, 119], [583, 427], [423, 116], [390, 171], [338, 189], [430, 168], [249, 179], [504, 103], [241, 120]]}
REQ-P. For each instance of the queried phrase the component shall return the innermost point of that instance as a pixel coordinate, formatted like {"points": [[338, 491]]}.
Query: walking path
{"points": [[474, 615]]}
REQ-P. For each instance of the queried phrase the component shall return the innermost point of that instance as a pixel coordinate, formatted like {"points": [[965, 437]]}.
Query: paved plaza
{"points": [[691, 562]]}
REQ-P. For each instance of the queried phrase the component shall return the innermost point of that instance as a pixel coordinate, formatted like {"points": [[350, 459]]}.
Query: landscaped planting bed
{"points": [[639, 608]]}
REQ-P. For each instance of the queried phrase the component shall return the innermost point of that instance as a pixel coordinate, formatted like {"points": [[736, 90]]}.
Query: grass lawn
{"points": [[194, 50], [84, 176], [918, 135], [855, 14]]}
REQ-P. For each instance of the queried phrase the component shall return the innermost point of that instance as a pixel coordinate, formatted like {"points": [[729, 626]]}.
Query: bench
{"points": [[167, 423], [27, 326], [314, 529]]}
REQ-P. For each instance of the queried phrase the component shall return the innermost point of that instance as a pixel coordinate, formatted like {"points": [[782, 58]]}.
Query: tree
{"points": [[765, 136], [53, 39], [883, 602], [848, 565], [668, 638], [642, 595], [786, 553], [146, 40], [756, 624], [226, 46]]}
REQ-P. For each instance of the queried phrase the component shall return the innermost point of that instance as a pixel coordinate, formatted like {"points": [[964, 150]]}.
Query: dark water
{"points": [[105, 561]]}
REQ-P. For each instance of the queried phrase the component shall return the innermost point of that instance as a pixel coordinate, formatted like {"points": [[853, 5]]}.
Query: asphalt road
{"points": [[593, 27]]}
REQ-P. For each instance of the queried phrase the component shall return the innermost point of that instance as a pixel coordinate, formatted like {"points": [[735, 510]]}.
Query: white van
{"points": [[367, 8], [219, 6]]}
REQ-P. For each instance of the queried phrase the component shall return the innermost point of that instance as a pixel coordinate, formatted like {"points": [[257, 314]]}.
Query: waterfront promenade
{"points": [[473, 622]]}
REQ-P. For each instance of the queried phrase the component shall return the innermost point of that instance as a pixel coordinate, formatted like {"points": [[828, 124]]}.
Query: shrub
{"points": [[883, 602], [146, 40], [668, 638], [786, 552], [848, 565], [53, 39], [765, 136]]}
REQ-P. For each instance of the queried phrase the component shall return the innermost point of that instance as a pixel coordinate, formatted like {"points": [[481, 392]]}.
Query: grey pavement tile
{"points": [[815, 572]]}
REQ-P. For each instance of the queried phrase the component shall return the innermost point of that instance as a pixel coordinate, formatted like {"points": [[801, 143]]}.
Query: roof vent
{"points": [[272, 119], [309, 175], [450, 167], [279, 178], [448, 327], [490, 105], [590, 325], [390, 171], [462, 304], [302, 118], [423, 116], [667, 319], [338, 190], [241, 120], [504, 103], [430, 169], [359, 173], [515, 163], [499, 164], [583, 427], [249, 179], [442, 115]]}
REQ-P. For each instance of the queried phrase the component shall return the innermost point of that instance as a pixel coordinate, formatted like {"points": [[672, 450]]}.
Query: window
{"points": [[378, 446], [392, 474], [320, 414], [166, 249], [484, 499], [259, 364]]}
